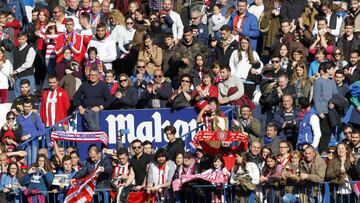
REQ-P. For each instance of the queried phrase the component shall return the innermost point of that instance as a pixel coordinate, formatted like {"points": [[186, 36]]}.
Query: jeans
{"points": [[32, 151], [17, 85], [50, 65]]}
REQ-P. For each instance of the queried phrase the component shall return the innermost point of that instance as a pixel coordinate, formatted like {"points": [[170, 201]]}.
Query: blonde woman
{"points": [[117, 28]]}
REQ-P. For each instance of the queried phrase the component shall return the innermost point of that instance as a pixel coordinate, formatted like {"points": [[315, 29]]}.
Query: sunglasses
{"points": [[123, 80], [331, 152], [275, 61], [141, 66], [337, 54], [136, 147], [188, 81], [129, 23], [158, 76], [11, 118]]}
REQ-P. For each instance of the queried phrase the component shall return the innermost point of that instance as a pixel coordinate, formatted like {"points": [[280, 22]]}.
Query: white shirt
{"points": [[30, 58], [256, 10], [106, 50], [177, 27], [315, 126], [240, 68], [126, 38], [116, 35], [5, 71]]}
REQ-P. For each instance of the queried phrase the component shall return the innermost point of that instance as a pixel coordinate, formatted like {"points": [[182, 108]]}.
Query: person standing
{"points": [[23, 65], [55, 103]]}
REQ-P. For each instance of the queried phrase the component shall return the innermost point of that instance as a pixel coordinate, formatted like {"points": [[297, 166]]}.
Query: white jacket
{"points": [[250, 169], [177, 27], [5, 72], [116, 35], [106, 50], [240, 68]]}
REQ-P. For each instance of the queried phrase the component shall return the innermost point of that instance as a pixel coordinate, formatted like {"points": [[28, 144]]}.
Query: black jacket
{"points": [[222, 57], [174, 147]]}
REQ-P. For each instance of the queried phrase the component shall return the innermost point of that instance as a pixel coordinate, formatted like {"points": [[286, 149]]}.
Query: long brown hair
{"points": [[249, 51], [303, 79], [38, 24], [47, 164]]}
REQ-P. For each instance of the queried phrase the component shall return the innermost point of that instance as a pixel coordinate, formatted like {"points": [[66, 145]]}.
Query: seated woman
{"points": [[182, 97], [126, 95], [160, 175], [157, 91], [206, 91], [37, 179], [9, 183]]}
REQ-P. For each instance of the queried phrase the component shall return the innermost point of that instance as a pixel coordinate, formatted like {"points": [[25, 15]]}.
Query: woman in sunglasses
{"points": [[126, 96], [338, 58], [11, 124], [182, 97]]}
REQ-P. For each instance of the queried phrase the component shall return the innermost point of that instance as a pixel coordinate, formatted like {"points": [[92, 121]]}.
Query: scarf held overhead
{"points": [[99, 136]]}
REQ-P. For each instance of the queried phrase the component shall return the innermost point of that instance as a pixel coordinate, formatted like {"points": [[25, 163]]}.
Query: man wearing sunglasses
{"points": [[139, 162]]}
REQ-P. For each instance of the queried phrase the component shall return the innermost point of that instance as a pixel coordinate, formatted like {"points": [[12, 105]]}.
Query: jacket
{"points": [[334, 174], [274, 144], [103, 181], [316, 174], [128, 100], [224, 57], [37, 180], [306, 134], [74, 42], [162, 94], [292, 9], [281, 117], [249, 27], [173, 148]]}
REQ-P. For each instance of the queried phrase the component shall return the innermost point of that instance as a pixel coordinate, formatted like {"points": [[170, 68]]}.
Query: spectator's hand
{"points": [[6, 190], [322, 115], [62, 186], [68, 71], [358, 108], [138, 187], [346, 72], [253, 71], [236, 122], [95, 109], [32, 170], [186, 61], [177, 41], [101, 169], [149, 88], [224, 100], [22, 153], [263, 179], [199, 89], [25, 137], [72, 181], [140, 77], [118, 95], [304, 176], [81, 110]]}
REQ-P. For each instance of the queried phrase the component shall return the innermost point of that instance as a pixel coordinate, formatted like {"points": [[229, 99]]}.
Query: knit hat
{"points": [[9, 133]]}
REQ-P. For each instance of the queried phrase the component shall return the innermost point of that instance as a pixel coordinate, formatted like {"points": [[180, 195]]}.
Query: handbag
{"points": [[141, 197]]}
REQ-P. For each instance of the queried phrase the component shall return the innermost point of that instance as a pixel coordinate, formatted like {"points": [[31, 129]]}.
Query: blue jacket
{"points": [[103, 181], [6, 181], [37, 180], [36, 128], [19, 6], [250, 27], [306, 135]]}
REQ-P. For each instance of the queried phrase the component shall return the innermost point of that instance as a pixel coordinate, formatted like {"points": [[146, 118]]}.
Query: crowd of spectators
{"points": [[296, 60]]}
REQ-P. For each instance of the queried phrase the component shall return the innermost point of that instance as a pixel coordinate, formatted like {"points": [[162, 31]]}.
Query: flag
{"points": [[82, 190]]}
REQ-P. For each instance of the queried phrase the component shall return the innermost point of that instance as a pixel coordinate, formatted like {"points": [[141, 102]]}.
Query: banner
{"points": [[99, 136], [82, 190], [147, 124], [209, 175]]}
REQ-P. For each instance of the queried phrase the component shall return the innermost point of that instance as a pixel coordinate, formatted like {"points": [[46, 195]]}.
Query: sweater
{"points": [[324, 89], [225, 85], [35, 129], [37, 180], [89, 95]]}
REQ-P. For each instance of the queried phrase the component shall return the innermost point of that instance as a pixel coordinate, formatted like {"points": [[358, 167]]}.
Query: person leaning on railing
{"points": [[312, 173], [341, 170]]}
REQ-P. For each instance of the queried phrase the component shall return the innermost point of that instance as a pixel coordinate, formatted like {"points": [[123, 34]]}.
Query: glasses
{"points": [[129, 23], [187, 81], [11, 118], [152, 18], [123, 80], [195, 18], [136, 147], [275, 61], [347, 133], [331, 152], [337, 54], [158, 76], [141, 66]]}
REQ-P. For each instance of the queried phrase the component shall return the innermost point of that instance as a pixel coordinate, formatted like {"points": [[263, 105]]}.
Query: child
{"points": [[290, 175], [67, 169], [11, 22], [218, 167], [218, 20], [94, 62], [215, 68], [10, 141], [314, 66]]}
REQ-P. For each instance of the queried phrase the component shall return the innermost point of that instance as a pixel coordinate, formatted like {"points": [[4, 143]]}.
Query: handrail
{"points": [[47, 130]]}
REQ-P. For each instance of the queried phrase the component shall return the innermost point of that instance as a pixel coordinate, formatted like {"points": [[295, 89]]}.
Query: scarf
{"points": [[303, 112], [267, 140]]}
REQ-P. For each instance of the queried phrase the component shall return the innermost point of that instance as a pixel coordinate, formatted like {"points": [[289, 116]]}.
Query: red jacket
{"points": [[54, 106], [76, 44], [17, 26]]}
